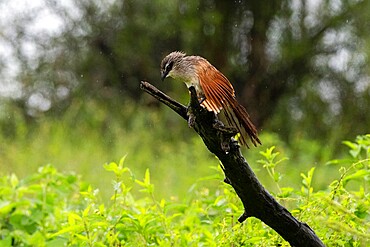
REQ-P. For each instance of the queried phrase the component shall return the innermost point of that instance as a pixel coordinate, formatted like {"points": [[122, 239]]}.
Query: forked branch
{"points": [[256, 200]]}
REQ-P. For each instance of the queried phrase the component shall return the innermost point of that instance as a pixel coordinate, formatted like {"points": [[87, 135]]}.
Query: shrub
{"points": [[51, 208]]}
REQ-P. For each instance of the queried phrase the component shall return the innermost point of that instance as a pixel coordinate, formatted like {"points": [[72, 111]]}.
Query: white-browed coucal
{"points": [[214, 91]]}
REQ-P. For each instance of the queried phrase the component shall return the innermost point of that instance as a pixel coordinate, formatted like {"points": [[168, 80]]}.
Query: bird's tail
{"points": [[238, 117]]}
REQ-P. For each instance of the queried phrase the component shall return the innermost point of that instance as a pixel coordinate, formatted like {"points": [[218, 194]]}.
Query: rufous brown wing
{"points": [[219, 94]]}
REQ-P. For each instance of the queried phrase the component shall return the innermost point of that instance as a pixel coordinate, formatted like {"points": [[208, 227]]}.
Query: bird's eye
{"points": [[169, 67]]}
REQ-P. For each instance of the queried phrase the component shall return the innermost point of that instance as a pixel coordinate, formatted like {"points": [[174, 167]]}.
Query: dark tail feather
{"points": [[238, 117]]}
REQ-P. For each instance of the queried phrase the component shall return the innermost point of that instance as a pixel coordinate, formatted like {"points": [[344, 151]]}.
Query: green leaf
{"points": [[338, 162], [349, 144], [142, 184], [118, 169], [37, 239], [69, 229], [14, 180], [6, 207], [121, 161], [286, 192], [358, 175], [361, 211], [111, 167], [72, 218], [86, 211]]}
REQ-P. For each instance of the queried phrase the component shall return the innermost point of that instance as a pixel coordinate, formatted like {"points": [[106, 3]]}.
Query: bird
{"points": [[214, 91]]}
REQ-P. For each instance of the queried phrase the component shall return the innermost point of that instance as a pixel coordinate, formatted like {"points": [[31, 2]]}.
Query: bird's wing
{"points": [[216, 87], [219, 94]]}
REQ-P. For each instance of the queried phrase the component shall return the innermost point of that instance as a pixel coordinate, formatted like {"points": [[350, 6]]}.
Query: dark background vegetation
{"points": [[72, 96]]}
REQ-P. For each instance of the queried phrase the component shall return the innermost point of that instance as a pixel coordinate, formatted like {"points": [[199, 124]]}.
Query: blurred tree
{"points": [[298, 66]]}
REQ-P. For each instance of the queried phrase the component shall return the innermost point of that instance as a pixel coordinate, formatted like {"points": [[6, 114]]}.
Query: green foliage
{"points": [[90, 135], [269, 163], [50, 208], [361, 148]]}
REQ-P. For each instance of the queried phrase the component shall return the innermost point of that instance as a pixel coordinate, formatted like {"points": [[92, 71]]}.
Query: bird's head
{"points": [[171, 65]]}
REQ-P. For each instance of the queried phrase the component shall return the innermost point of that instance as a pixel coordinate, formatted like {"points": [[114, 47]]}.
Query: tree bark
{"points": [[256, 199]]}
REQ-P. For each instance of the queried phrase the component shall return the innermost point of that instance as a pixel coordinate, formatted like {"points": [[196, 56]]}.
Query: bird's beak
{"points": [[163, 75]]}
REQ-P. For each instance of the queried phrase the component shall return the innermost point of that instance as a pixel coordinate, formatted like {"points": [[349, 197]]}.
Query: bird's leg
{"points": [[194, 96]]}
